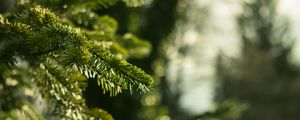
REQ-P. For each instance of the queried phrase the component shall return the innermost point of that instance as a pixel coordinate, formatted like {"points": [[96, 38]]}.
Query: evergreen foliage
{"points": [[155, 22], [50, 48]]}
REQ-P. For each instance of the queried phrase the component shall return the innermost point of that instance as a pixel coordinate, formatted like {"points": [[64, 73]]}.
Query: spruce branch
{"points": [[60, 59]]}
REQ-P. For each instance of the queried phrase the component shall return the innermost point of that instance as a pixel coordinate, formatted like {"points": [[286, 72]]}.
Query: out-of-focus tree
{"points": [[262, 76]]}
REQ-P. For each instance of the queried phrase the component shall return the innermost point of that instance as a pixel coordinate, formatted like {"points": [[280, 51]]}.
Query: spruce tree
{"points": [[50, 48]]}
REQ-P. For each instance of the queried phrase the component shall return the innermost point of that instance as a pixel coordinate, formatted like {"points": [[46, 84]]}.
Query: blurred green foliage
{"points": [[228, 110]]}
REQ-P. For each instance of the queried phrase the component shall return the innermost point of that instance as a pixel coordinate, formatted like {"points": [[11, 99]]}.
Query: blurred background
{"points": [[213, 60], [217, 59]]}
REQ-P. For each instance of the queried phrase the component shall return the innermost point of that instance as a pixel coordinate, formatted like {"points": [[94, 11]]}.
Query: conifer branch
{"points": [[60, 57]]}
